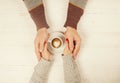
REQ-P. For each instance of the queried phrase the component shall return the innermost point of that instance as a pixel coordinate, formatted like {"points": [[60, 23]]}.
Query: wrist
{"points": [[42, 29], [71, 28], [66, 54]]}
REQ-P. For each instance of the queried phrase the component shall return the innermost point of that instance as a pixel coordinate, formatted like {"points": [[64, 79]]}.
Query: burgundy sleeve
{"points": [[73, 16], [38, 16]]}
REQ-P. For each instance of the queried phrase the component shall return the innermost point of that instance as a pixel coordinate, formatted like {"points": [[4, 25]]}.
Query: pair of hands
{"points": [[47, 56], [42, 36]]}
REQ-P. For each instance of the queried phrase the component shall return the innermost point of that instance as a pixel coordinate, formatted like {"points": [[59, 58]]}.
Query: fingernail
{"points": [[67, 39]]}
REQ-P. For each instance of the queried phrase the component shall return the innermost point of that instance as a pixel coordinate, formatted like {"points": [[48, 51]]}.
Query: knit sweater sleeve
{"points": [[71, 71], [75, 11], [41, 70], [36, 11]]}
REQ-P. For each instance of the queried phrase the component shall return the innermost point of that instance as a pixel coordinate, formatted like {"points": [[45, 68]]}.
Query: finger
{"points": [[45, 46], [46, 49], [41, 46], [37, 51], [70, 43], [77, 48], [42, 43], [66, 42], [76, 51], [43, 51]]}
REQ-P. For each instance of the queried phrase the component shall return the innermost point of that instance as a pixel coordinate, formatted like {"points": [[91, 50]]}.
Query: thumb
{"points": [[41, 46]]}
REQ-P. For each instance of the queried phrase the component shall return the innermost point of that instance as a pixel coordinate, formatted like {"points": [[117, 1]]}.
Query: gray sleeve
{"points": [[79, 3], [31, 4], [41, 70], [71, 71]]}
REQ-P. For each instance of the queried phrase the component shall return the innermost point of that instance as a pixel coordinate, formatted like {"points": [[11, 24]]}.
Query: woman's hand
{"points": [[67, 50], [74, 40], [39, 42]]}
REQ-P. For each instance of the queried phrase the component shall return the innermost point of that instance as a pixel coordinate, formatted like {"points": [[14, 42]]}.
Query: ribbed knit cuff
{"points": [[73, 16], [41, 71], [38, 16], [43, 63], [71, 71], [68, 60]]}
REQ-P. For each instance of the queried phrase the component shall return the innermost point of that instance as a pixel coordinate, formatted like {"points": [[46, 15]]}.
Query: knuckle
{"points": [[70, 38], [67, 34], [42, 39]]}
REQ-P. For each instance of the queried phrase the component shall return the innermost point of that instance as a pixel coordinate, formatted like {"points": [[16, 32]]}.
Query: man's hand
{"points": [[40, 40], [74, 40], [45, 53]]}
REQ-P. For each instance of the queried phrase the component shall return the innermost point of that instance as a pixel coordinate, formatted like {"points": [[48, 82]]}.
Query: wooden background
{"points": [[99, 58]]}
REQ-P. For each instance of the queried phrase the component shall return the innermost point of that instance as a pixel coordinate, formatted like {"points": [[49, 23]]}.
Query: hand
{"points": [[45, 53], [67, 50], [39, 42], [74, 40]]}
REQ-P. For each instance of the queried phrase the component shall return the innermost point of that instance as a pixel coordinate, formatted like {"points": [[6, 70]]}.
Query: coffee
{"points": [[56, 42]]}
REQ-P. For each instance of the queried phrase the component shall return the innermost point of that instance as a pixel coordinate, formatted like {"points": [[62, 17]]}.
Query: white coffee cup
{"points": [[56, 42]]}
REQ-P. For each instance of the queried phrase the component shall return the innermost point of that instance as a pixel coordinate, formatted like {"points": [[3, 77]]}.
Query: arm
{"points": [[41, 71], [75, 11], [36, 10], [71, 71]]}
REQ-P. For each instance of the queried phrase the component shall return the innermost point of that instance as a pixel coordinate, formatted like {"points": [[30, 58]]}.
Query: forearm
{"points": [[75, 12], [71, 71], [36, 10], [41, 71]]}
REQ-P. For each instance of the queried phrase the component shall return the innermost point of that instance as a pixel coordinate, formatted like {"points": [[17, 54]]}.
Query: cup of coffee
{"points": [[56, 42]]}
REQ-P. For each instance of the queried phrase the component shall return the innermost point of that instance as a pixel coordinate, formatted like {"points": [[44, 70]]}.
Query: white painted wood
{"points": [[99, 58]]}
